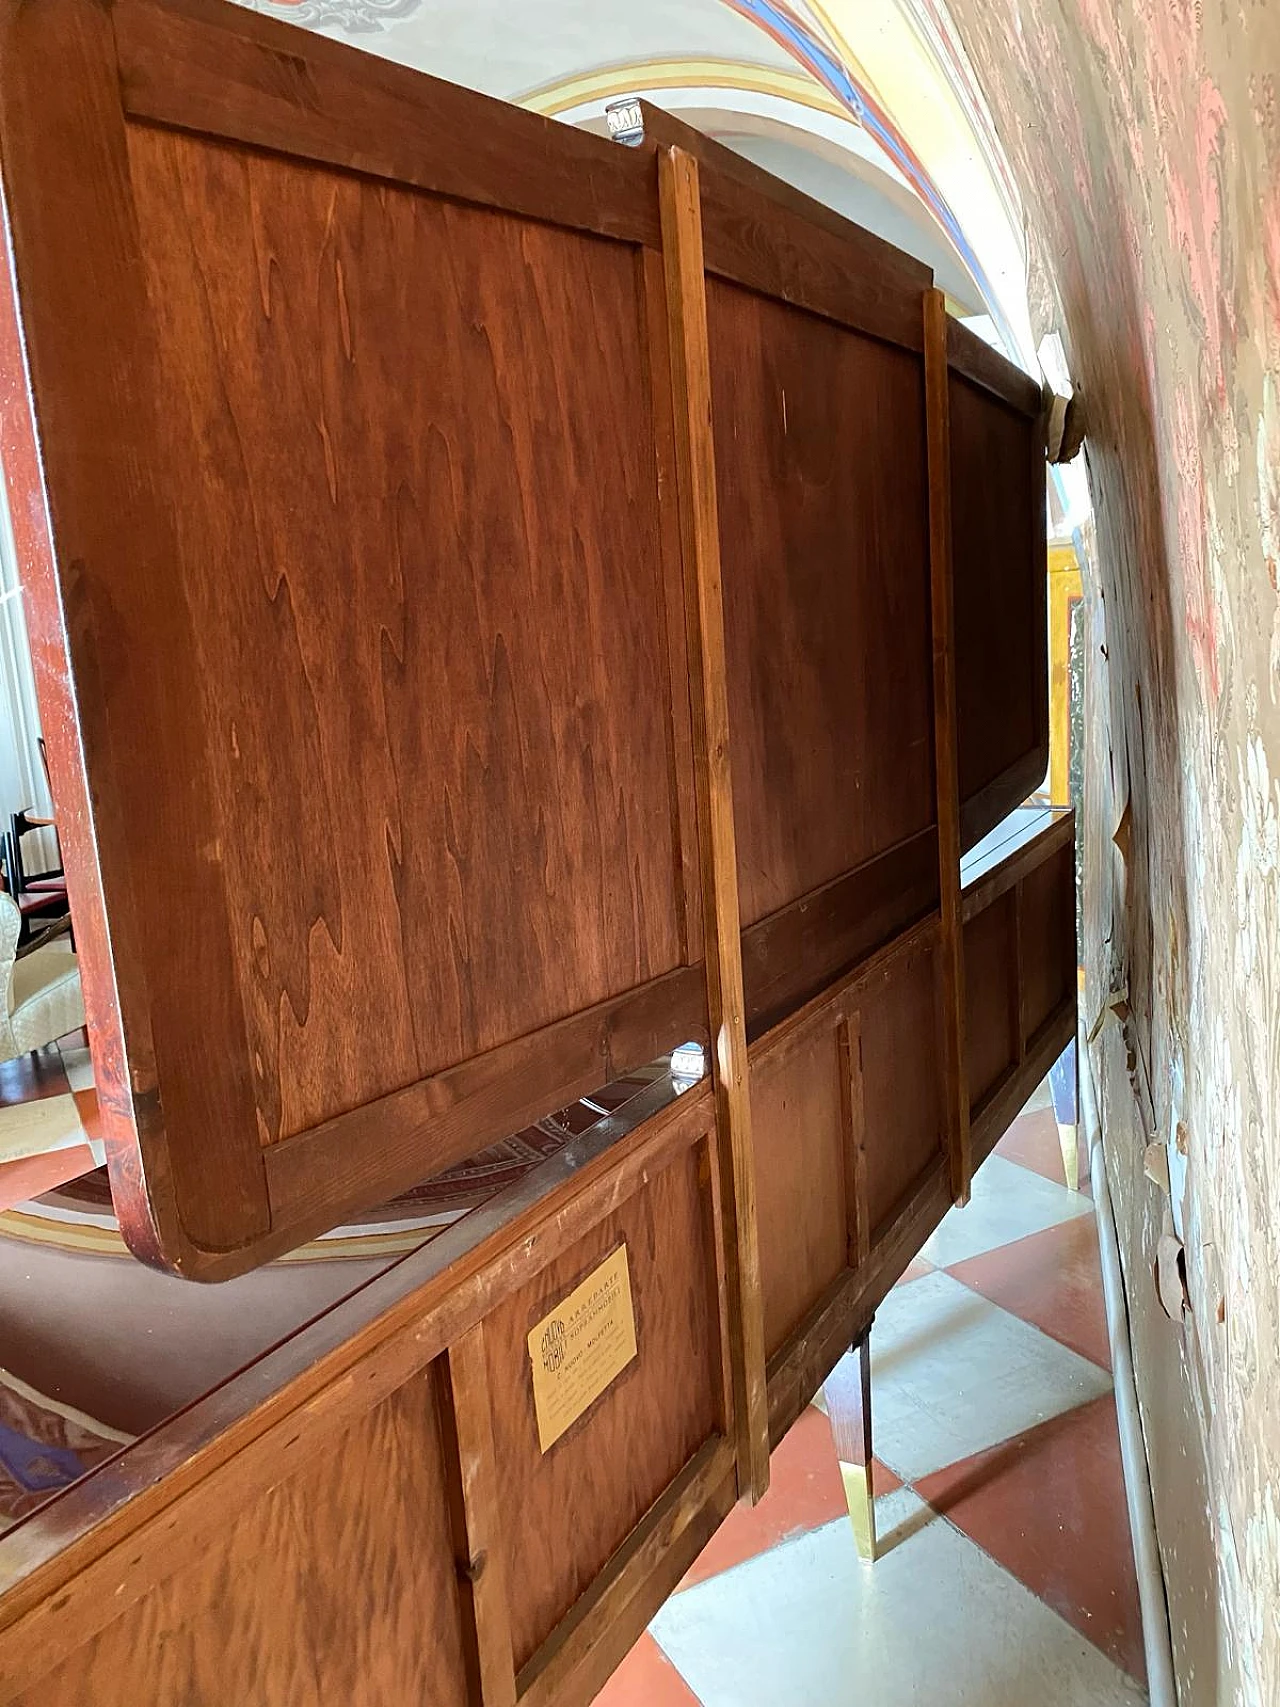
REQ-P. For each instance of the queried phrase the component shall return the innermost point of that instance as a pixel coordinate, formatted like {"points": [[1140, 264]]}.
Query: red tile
{"points": [[646, 1678], [1032, 1142], [21, 1181], [805, 1490], [87, 1108], [1052, 1280], [1049, 1505]]}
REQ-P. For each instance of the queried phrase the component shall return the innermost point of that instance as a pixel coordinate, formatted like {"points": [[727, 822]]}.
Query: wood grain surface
{"points": [[820, 468], [993, 1030], [710, 691], [1047, 912], [998, 554], [566, 1510], [799, 1127], [951, 1015], [470, 837], [337, 1585], [256, 80]]}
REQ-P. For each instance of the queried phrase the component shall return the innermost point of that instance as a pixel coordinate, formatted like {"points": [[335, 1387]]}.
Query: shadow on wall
{"points": [[1144, 137]]}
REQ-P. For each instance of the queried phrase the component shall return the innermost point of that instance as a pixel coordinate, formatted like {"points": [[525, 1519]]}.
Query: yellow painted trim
{"points": [[610, 82], [1064, 586]]}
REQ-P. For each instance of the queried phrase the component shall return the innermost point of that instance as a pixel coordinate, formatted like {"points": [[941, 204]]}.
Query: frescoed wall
{"points": [[1145, 137]]}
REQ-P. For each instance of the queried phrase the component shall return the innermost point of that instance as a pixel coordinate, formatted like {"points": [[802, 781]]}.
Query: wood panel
{"points": [[565, 1511], [337, 1585], [799, 1126], [903, 1082], [378, 601], [769, 245], [821, 478], [999, 564], [1020, 996], [793, 955], [992, 995], [945, 741], [879, 266], [1048, 918], [254, 79]]}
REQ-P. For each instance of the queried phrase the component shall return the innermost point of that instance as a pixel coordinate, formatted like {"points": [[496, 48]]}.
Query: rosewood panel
{"points": [[820, 469]]}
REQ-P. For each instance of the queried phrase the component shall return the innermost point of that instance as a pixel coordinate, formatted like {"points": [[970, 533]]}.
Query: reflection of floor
{"points": [[48, 1119], [1006, 1573]]}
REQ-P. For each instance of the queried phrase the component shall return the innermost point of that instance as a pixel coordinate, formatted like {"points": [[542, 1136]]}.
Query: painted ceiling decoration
{"points": [[354, 17], [838, 76]]}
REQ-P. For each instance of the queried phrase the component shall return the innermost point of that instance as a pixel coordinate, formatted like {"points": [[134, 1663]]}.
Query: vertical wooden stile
{"points": [[937, 409], [481, 1560], [695, 462]]}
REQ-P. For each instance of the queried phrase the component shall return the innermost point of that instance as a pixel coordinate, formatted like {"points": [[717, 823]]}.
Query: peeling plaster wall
{"points": [[1145, 135]]}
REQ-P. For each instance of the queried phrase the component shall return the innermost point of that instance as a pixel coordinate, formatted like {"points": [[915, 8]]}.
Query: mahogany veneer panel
{"points": [[566, 1511], [820, 471]]}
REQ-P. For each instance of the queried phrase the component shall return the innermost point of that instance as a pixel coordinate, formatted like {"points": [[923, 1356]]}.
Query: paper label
{"points": [[581, 1346]]}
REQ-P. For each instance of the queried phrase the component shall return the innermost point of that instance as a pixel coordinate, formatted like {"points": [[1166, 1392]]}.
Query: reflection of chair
{"points": [[40, 997], [39, 894]]}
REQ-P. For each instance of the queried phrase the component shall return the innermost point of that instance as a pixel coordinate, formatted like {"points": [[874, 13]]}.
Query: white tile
{"points": [[1041, 1097], [31, 1128], [933, 1621], [952, 1373], [1008, 1203]]}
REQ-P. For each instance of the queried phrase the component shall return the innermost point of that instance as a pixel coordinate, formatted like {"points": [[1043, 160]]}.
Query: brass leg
{"points": [[1070, 1154], [848, 1396]]}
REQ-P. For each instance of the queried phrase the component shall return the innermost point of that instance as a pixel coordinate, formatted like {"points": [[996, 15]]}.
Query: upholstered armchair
{"points": [[41, 988]]}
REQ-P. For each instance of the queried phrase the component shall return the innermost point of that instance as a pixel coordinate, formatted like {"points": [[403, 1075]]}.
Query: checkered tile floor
{"points": [[1006, 1572], [48, 1119]]}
